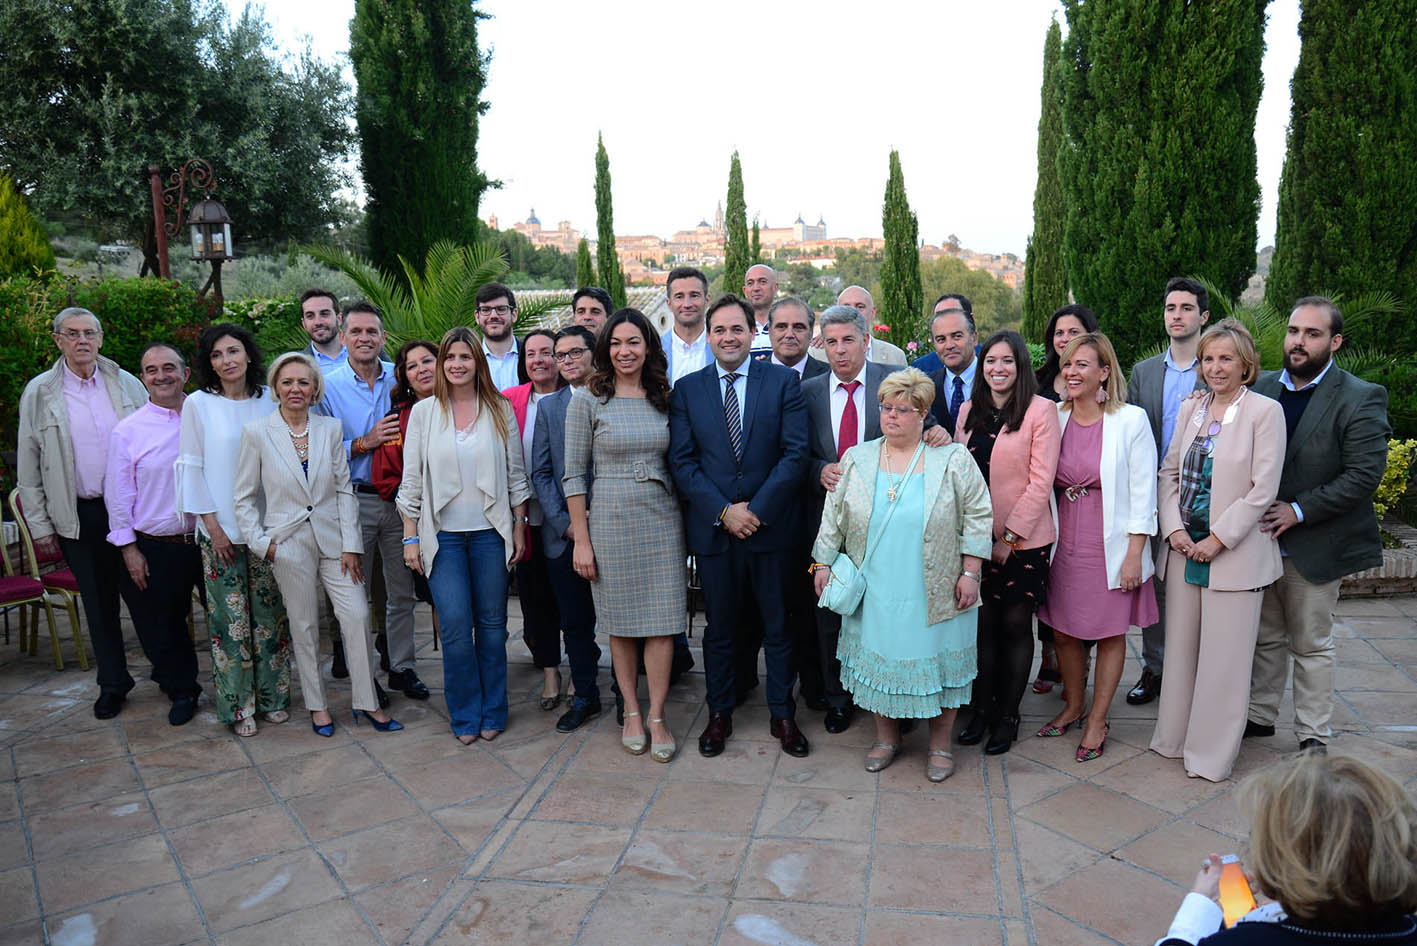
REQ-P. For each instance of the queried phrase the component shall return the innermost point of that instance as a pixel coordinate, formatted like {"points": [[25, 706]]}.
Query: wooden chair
{"points": [[59, 585]]}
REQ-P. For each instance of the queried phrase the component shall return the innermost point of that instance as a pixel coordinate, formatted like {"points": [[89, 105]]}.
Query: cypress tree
{"points": [[608, 264], [755, 248], [24, 246], [736, 252], [1348, 195], [585, 266], [902, 298], [1159, 168], [1045, 281], [420, 77]]}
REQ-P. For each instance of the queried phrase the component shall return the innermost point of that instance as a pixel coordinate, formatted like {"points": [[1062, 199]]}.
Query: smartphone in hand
{"points": [[1236, 899]]}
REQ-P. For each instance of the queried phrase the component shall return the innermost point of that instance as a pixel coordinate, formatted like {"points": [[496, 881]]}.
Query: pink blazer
{"points": [[1021, 471], [519, 396]]}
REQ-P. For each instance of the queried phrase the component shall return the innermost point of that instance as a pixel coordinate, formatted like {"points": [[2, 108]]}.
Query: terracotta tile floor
{"points": [[130, 831]]}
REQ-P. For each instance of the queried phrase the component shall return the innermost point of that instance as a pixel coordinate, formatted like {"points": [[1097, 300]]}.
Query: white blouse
{"points": [[206, 462]]}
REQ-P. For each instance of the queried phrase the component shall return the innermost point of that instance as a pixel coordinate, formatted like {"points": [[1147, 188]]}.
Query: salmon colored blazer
{"points": [[1021, 471]]}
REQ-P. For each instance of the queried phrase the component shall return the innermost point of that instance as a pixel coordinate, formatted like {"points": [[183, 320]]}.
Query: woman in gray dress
{"points": [[629, 543]]}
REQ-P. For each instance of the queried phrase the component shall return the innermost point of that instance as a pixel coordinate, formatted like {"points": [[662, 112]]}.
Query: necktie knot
{"points": [[732, 376], [851, 387]]}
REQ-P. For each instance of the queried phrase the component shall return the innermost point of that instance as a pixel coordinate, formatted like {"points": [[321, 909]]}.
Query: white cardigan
{"points": [[431, 478], [1128, 474]]}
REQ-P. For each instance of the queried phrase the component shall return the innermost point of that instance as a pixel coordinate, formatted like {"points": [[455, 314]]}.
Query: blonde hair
{"points": [[910, 383], [292, 356], [1115, 385], [1334, 840], [1240, 337]]}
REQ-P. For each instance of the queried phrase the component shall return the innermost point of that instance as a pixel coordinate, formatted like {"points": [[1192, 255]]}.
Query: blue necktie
{"points": [[730, 414], [956, 399]]}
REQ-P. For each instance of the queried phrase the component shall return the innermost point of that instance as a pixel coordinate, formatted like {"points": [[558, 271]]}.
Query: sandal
{"points": [[245, 727], [1048, 675], [938, 773], [662, 751], [879, 762], [634, 745], [1088, 753], [276, 717]]}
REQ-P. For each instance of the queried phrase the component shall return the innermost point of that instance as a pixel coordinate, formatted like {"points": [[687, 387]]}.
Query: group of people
{"points": [[939, 508]]}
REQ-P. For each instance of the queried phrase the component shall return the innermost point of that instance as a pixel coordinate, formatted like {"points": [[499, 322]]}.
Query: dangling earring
{"points": [[1102, 394]]}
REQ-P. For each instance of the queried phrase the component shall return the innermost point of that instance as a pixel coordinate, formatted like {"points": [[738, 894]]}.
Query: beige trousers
{"points": [[1210, 640], [300, 572], [1297, 619]]}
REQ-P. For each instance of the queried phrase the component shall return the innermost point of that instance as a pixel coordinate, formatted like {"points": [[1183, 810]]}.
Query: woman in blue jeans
{"points": [[465, 525]]}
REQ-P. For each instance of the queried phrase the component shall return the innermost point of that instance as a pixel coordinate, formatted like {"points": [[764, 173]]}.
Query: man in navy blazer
{"points": [[738, 452]]}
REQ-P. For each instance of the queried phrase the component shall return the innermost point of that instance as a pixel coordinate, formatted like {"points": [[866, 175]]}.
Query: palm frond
{"points": [[1364, 361]]}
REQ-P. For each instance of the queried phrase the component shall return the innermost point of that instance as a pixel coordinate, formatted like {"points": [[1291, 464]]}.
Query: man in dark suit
{"points": [[1323, 518], [952, 330], [738, 449], [1158, 385], [842, 411], [546, 466], [790, 325]]}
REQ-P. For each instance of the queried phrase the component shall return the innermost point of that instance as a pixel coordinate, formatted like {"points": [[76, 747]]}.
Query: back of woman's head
{"points": [[1334, 840]]}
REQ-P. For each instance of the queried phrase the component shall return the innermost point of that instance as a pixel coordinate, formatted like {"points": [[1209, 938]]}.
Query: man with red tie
{"points": [[842, 411]]}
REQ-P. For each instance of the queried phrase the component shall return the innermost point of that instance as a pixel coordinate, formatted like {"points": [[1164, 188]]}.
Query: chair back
{"points": [[29, 557]]}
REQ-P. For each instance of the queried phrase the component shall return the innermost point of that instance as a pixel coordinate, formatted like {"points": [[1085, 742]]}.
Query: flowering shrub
{"points": [[1400, 456]]}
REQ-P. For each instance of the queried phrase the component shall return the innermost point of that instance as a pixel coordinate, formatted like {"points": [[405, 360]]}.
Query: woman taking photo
{"points": [[908, 651], [541, 621], [1064, 325], [250, 635], [1013, 436], [1333, 843], [1099, 583], [463, 501], [629, 539], [295, 460], [1220, 474]]}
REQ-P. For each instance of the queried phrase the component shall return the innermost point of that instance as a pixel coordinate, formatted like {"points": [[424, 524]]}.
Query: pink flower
{"points": [[911, 346], [883, 328]]}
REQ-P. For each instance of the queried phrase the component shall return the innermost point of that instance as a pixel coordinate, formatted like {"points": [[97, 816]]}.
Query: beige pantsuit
{"points": [[1209, 638], [301, 571], [1210, 632], [1296, 618]]}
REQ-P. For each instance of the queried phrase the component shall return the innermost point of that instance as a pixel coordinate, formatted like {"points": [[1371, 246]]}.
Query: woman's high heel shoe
{"points": [[392, 725], [1088, 753], [327, 730], [662, 751], [634, 745]]}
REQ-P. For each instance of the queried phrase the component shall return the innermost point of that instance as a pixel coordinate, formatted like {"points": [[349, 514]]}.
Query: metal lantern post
{"points": [[209, 223]]}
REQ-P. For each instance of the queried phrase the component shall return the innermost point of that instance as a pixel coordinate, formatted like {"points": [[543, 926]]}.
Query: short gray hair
{"points": [[793, 300], [845, 315], [73, 312]]}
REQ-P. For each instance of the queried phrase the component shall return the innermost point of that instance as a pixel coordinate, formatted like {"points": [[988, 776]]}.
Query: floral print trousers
{"points": [[250, 635]]}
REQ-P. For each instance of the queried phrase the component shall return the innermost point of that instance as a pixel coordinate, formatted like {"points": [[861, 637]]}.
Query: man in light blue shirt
{"points": [[320, 318], [496, 314], [357, 395]]}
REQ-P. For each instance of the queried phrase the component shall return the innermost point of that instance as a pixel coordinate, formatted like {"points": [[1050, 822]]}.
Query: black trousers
{"points": [[160, 612], [97, 567], [732, 581], [828, 632], [541, 619], [577, 613], [802, 610]]}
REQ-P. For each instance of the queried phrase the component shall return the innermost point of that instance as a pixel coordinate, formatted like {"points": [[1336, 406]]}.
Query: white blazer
{"points": [[431, 479], [1128, 474], [267, 466]]}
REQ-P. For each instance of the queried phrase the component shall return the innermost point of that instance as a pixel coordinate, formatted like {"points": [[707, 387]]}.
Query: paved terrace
{"points": [[134, 832]]}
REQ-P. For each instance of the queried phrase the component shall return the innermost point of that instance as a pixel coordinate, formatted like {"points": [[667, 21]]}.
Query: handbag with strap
{"points": [[847, 584]]}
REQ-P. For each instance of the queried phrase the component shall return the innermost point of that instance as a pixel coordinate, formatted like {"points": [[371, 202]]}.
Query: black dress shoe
{"points": [[973, 734], [580, 713], [383, 697], [1147, 689], [719, 728], [407, 682], [1002, 735], [183, 709], [1257, 730], [1313, 745], [838, 720], [816, 702], [786, 731], [108, 705], [339, 669]]}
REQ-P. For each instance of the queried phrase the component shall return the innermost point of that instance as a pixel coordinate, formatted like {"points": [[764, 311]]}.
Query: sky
{"points": [[813, 96]]}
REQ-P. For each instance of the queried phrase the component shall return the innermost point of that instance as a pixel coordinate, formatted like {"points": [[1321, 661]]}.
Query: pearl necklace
{"points": [[302, 452]]}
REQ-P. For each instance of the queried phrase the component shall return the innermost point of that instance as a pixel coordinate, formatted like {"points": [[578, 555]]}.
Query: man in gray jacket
{"points": [[66, 416]]}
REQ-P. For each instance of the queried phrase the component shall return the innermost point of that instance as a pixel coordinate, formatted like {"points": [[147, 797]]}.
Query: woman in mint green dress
{"points": [[908, 651]]}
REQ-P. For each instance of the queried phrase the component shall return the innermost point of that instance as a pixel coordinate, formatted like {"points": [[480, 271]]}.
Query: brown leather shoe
{"points": [[719, 728], [793, 742]]}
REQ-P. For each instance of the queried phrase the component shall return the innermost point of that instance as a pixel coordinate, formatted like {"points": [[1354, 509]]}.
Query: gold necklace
{"points": [[892, 486]]}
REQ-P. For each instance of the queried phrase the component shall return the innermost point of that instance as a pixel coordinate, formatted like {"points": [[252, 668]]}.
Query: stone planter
{"points": [[1397, 575]]}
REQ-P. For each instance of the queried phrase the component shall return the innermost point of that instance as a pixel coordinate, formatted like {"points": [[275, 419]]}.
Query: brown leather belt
{"points": [[183, 538]]}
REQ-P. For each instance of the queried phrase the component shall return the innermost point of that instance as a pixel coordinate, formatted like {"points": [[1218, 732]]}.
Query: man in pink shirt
{"points": [[162, 565], [66, 415]]}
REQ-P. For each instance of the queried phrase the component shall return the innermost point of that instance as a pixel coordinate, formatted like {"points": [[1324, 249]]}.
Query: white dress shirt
{"points": [[800, 367], [686, 357], [502, 367], [838, 388], [740, 386]]}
